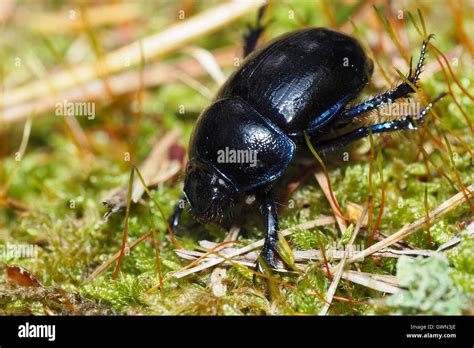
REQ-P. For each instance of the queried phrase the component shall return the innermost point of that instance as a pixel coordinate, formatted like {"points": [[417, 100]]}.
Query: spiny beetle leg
{"points": [[269, 250], [405, 123], [401, 91]]}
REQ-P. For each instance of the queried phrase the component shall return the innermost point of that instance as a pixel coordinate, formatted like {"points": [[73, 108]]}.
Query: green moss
{"points": [[461, 258], [62, 187], [304, 300]]}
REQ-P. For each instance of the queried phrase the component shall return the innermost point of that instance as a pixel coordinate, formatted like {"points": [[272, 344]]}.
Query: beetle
{"points": [[300, 82]]}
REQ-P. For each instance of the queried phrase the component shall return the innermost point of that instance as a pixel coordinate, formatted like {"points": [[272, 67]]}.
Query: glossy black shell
{"points": [[232, 123], [297, 82], [296, 78]]}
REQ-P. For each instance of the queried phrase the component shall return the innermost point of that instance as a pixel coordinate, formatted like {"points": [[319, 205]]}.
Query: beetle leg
{"points": [[254, 32], [405, 123], [401, 91], [174, 219], [269, 250]]}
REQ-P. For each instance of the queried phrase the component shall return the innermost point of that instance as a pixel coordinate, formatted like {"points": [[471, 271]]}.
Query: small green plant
{"points": [[429, 286]]}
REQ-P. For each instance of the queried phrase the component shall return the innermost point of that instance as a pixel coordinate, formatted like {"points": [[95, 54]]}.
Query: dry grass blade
{"points": [[394, 253], [384, 283], [250, 257], [155, 165], [322, 221], [317, 255], [208, 62], [156, 162], [377, 282], [154, 46], [233, 233], [340, 268], [196, 85], [60, 22], [18, 156], [125, 227], [120, 83], [25, 138], [6, 10], [114, 258], [323, 183], [216, 281], [445, 207], [456, 240]]}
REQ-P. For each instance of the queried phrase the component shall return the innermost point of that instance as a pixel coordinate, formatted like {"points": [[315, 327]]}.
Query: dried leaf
{"points": [[18, 275]]}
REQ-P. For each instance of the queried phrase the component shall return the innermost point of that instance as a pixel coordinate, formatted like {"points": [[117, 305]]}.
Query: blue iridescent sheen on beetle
{"points": [[300, 82]]}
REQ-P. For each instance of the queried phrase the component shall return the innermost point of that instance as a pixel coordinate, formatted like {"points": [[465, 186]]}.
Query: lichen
{"points": [[429, 286]]}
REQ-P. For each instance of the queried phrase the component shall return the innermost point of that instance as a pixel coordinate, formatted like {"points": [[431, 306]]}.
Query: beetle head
{"points": [[207, 192]]}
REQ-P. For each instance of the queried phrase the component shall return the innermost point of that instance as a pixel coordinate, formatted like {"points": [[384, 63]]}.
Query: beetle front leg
{"points": [[401, 91], [268, 208], [174, 219]]}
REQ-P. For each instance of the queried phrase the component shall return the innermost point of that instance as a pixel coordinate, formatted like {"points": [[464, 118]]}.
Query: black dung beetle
{"points": [[300, 82]]}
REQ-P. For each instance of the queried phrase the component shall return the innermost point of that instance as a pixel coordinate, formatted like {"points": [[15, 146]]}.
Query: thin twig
{"points": [[155, 165], [394, 253], [340, 268], [114, 258], [442, 209], [322, 221], [208, 62], [456, 240], [216, 280], [19, 156], [323, 183], [64, 21], [379, 282], [120, 83], [154, 46]]}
